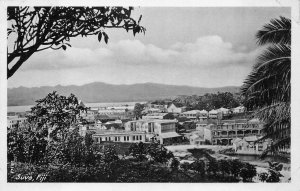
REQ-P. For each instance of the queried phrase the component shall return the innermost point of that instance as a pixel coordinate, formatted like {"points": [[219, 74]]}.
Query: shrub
{"points": [[263, 176], [199, 167], [236, 166], [248, 172], [174, 163], [185, 166]]}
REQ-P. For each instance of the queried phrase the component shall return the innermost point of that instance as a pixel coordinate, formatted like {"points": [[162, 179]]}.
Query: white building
{"points": [[223, 110], [193, 114], [119, 136], [162, 130], [13, 121], [250, 145], [173, 109], [239, 109], [213, 114], [203, 113], [88, 115]]}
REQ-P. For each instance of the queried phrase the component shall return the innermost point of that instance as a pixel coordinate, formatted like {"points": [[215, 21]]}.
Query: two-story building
{"points": [[227, 130], [192, 114], [163, 131], [14, 121], [213, 114]]}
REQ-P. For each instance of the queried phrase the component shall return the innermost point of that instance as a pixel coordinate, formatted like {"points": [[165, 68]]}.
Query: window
{"points": [[116, 139], [105, 138], [124, 138], [140, 137], [100, 139], [127, 138], [133, 137]]}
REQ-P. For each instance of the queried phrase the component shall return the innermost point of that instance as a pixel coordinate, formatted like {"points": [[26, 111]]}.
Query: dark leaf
{"points": [[99, 36], [105, 38]]}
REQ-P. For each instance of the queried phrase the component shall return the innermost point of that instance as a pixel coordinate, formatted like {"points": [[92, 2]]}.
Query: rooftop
{"points": [[155, 120], [117, 132]]}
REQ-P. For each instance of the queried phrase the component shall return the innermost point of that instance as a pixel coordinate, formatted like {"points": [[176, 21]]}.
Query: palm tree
{"points": [[267, 88]]}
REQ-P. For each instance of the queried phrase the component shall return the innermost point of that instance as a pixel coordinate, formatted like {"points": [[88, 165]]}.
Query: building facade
{"points": [[173, 109], [119, 136], [226, 130], [14, 121], [192, 115], [250, 145], [163, 131]]}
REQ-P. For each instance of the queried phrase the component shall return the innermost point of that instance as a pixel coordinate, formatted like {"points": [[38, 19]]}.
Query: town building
{"points": [[88, 115], [163, 131], [203, 114], [213, 114], [116, 113], [155, 108], [226, 130], [158, 116], [223, 111], [172, 108], [202, 135], [239, 109], [15, 121], [192, 114], [250, 145], [119, 136]]}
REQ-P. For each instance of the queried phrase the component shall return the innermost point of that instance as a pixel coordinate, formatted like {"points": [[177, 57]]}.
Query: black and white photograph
{"points": [[166, 93]]}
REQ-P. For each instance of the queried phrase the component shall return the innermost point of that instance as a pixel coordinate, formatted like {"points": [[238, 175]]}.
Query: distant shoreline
{"points": [[23, 108]]}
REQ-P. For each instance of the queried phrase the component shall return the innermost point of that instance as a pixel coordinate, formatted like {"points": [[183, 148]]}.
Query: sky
{"points": [[196, 46]]}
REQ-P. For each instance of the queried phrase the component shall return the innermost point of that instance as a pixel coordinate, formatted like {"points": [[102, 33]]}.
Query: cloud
{"points": [[205, 52]]}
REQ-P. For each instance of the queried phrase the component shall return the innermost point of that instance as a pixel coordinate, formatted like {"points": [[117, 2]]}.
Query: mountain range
{"points": [[103, 92]]}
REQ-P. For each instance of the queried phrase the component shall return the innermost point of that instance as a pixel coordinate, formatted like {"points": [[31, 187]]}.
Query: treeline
{"points": [[208, 101]]}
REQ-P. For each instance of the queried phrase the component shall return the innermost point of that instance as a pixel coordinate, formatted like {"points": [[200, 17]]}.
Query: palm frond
{"points": [[269, 80], [275, 55], [277, 31], [267, 89]]}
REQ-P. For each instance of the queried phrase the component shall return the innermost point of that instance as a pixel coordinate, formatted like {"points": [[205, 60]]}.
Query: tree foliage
{"points": [[52, 134], [138, 151], [138, 108], [207, 101], [34, 29], [267, 89]]}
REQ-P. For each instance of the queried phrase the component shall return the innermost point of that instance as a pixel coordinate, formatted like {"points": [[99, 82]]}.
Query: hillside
{"points": [[102, 92]]}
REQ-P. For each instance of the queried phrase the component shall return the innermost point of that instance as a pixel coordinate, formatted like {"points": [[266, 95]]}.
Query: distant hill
{"points": [[102, 92]]}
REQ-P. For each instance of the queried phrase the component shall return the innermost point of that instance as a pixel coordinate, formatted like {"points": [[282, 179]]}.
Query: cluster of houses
{"points": [[14, 120], [160, 123]]}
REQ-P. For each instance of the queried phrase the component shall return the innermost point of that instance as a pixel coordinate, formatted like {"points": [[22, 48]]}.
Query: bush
{"points": [[185, 166], [138, 151], [247, 172], [174, 163], [263, 176], [199, 167]]}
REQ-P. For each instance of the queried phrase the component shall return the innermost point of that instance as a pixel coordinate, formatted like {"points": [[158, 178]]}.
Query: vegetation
{"points": [[50, 149], [34, 29], [273, 174], [52, 134], [207, 102], [138, 108], [267, 89]]}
